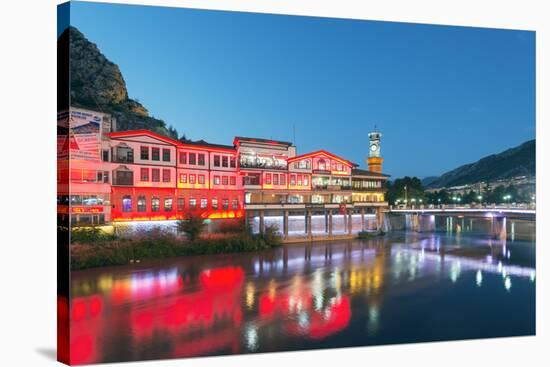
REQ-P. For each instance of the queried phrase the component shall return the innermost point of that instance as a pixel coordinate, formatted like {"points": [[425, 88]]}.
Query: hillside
{"points": [[96, 83], [518, 161]]}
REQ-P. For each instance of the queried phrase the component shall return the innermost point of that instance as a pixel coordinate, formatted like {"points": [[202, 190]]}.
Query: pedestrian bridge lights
{"points": [[374, 161]]}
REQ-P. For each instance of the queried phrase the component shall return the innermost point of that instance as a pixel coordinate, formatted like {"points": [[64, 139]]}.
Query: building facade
{"points": [[137, 176]]}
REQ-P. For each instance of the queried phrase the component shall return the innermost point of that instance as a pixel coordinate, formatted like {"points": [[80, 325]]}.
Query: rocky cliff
{"points": [[96, 83]]}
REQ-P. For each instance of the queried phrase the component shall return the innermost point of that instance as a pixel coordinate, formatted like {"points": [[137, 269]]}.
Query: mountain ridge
{"points": [[513, 162]]}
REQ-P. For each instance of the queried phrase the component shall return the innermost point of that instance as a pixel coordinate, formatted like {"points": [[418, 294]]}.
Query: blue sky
{"points": [[442, 96]]}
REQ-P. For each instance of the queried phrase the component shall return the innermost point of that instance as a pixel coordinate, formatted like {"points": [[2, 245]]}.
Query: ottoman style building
{"points": [[141, 176]]}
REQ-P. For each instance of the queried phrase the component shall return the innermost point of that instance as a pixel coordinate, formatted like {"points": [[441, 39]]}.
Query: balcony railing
{"points": [[331, 187], [123, 159]]}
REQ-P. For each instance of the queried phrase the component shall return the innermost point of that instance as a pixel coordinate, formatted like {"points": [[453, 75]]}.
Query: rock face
{"points": [[96, 83], [514, 162]]}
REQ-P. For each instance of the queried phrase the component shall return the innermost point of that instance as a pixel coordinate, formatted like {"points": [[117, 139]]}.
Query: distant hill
{"points": [[96, 83], [518, 161]]}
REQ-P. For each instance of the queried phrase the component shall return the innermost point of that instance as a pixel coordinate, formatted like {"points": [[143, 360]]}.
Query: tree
{"points": [[192, 226], [406, 188]]}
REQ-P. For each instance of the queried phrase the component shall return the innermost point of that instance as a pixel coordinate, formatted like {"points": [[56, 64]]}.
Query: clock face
{"points": [[373, 147]]}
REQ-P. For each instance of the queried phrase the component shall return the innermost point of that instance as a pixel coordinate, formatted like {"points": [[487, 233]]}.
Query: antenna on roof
{"points": [[375, 126]]}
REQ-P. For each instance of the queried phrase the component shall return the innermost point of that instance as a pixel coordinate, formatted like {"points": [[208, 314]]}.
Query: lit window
{"points": [[127, 203], [216, 180], [225, 180], [168, 204], [192, 203], [306, 181], [225, 204], [275, 179], [283, 179], [201, 179], [145, 174], [215, 204], [299, 180], [141, 204], [165, 175], [292, 180], [235, 204], [155, 204], [268, 178], [204, 203], [192, 179], [183, 178]]}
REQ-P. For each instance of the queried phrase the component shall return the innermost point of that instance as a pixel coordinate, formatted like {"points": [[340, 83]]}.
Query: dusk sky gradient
{"points": [[442, 96]]}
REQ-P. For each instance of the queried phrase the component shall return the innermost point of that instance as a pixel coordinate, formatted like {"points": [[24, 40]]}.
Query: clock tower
{"points": [[374, 161]]}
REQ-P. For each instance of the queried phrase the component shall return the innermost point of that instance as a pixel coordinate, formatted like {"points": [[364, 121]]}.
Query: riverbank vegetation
{"points": [[90, 247]]}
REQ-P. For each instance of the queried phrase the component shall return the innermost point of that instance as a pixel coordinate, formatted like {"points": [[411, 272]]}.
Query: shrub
{"points": [[192, 226], [90, 235]]}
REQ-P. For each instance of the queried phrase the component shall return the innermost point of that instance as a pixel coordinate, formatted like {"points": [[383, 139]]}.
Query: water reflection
{"points": [[305, 296]]}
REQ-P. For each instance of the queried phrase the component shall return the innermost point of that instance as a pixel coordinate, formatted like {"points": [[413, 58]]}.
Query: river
{"points": [[400, 288]]}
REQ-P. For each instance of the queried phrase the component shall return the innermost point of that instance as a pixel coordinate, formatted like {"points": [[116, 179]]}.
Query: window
{"points": [[235, 204], [141, 204], [192, 158], [155, 204], [202, 160], [127, 203], [275, 179], [183, 158], [144, 153], [192, 203], [181, 204], [201, 179], [322, 165], [215, 204], [144, 174], [192, 179], [292, 180], [155, 154], [165, 175], [204, 203], [225, 161], [168, 204], [105, 156], [283, 179], [268, 178], [232, 180], [299, 180], [216, 161], [183, 178], [166, 155], [225, 204], [225, 180], [216, 180], [306, 181], [233, 162], [155, 175]]}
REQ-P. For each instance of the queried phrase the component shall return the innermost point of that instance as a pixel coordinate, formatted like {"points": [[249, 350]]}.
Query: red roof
{"points": [[321, 152], [130, 133]]}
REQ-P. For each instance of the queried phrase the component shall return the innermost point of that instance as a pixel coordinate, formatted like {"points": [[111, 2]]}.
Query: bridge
{"points": [[457, 218], [496, 211]]}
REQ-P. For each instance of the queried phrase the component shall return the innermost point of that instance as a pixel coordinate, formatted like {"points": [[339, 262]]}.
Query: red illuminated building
{"points": [[139, 175]]}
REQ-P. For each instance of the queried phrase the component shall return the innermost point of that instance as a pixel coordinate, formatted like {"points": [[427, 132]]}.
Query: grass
{"points": [[93, 248]]}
